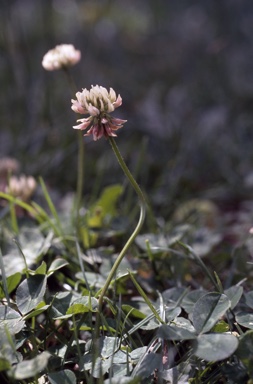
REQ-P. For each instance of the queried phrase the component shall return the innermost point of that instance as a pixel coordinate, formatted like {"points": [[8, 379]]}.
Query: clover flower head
{"points": [[62, 56], [98, 102], [21, 187]]}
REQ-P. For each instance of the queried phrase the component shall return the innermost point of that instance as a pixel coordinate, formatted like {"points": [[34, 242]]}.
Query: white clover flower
{"points": [[21, 187], [98, 103], [62, 56]]}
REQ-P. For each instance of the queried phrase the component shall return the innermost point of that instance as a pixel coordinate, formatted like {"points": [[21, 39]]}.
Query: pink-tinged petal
{"points": [[117, 121], [84, 124], [108, 131], [118, 102], [78, 108], [93, 111]]}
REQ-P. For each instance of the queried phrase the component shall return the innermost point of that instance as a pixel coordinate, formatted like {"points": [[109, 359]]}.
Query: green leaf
{"points": [[83, 304], [221, 327], [249, 298], [30, 293], [108, 200], [245, 319], [215, 346], [122, 380], [4, 364], [150, 362], [191, 298], [56, 264], [110, 345], [173, 332], [234, 294], [133, 311], [61, 303], [30, 368], [40, 309], [62, 377], [245, 351], [208, 310], [94, 279], [12, 282], [41, 270], [10, 319]]}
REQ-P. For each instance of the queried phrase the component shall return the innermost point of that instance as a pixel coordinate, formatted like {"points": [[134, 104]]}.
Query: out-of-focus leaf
{"points": [[208, 310], [94, 279], [204, 240], [30, 293], [4, 364], [215, 346], [30, 368]]}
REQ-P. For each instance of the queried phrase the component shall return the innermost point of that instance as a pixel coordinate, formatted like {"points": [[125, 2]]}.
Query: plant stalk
{"points": [[133, 235]]}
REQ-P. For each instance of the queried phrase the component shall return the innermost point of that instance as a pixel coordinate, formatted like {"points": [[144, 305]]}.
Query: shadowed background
{"points": [[183, 69]]}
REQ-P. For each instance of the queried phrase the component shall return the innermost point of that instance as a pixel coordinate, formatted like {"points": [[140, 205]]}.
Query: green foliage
{"points": [[47, 328]]}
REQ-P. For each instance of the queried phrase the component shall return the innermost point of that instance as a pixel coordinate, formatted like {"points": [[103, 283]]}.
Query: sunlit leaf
{"points": [[12, 283], [40, 309], [56, 264]]}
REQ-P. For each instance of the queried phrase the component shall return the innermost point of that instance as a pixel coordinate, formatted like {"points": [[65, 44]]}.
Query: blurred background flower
{"points": [[60, 57]]}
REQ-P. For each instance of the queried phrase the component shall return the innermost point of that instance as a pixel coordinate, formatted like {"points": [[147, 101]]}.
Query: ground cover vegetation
{"points": [[126, 214]]}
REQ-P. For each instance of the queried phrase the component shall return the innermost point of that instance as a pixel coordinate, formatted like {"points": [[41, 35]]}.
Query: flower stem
{"points": [[133, 235]]}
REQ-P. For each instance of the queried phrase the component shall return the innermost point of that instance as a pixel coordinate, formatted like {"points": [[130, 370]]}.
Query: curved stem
{"points": [[133, 235], [126, 170]]}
